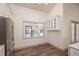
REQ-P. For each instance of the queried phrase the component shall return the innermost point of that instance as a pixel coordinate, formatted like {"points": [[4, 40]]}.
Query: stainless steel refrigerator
{"points": [[7, 35]]}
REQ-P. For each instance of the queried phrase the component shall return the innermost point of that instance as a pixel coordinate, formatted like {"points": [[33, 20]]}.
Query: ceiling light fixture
{"points": [[43, 3]]}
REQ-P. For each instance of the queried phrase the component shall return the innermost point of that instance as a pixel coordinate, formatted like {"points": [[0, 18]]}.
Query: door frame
{"points": [[75, 22]]}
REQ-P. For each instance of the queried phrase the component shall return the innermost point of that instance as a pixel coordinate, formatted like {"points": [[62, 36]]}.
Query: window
{"points": [[33, 30]]}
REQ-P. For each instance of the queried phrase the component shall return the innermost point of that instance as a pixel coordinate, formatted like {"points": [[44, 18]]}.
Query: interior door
{"points": [[74, 32], [77, 32]]}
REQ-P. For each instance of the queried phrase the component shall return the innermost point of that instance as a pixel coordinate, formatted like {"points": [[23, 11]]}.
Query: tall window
{"points": [[33, 30]]}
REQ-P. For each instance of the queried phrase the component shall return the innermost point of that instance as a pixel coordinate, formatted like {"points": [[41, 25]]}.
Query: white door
{"points": [[77, 32], [72, 32]]}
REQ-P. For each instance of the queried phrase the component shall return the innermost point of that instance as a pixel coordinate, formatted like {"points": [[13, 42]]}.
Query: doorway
{"points": [[74, 32]]}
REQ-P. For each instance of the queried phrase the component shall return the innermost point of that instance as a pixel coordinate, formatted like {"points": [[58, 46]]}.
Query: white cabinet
{"points": [[74, 52], [1, 9], [5, 10], [73, 49], [2, 50], [54, 23]]}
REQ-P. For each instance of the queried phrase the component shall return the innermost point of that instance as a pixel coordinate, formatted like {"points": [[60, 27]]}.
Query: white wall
{"points": [[24, 14], [55, 37], [70, 12]]}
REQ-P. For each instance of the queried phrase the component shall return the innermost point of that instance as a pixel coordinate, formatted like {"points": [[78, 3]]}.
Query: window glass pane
{"points": [[41, 33], [33, 30], [28, 31]]}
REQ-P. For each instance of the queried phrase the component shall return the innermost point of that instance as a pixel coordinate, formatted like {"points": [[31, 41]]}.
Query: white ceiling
{"points": [[41, 7]]}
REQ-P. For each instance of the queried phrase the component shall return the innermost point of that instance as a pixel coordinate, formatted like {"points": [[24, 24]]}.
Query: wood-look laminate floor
{"points": [[41, 50]]}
